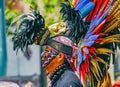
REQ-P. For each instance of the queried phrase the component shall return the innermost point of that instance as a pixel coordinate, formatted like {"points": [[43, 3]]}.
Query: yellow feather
{"points": [[93, 70], [113, 36], [115, 11], [111, 40], [96, 66], [90, 77], [107, 25], [100, 70], [104, 51], [99, 84], [115, 5], [112, 27], [100, 60], [116, 14], [107, 81]]}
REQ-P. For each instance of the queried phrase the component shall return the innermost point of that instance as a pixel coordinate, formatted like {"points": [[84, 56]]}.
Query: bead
{"points": [[57, 68], [60, 70], [57, 72], [55, 76], [64, 68]]}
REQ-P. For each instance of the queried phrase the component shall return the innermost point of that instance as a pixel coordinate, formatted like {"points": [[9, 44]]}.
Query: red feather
{"points": [[97, 8], [99, 40], [99, 27], [106, 5]]}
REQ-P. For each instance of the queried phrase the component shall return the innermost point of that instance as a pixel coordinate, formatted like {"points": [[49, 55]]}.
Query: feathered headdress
{"points": [[93, 27], [100, 41], [73, 17], [26, 29]]}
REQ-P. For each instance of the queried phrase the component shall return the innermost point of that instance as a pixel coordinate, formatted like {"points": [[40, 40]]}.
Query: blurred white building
{"points": [[18, 64]]}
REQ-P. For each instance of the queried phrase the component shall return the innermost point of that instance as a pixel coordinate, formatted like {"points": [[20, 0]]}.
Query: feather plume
{"points": [[26, 29], [74, 21]]}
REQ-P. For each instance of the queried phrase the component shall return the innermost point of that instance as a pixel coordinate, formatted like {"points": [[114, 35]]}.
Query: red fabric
{"points": [[115, 85]]}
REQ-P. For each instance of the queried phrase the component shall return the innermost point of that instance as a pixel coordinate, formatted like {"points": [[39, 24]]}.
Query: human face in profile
{"points": [[51, 59]]}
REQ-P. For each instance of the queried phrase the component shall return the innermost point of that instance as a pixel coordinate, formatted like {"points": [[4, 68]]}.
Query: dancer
{"points": [[91, 36]]}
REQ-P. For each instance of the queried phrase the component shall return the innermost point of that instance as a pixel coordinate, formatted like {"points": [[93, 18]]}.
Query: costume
{"points": [[117, 82], [115, 85], [88, 39]]}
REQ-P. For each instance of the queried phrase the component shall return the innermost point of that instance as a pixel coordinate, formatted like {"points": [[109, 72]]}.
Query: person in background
{"points": [[117, 82], [29, 84]]}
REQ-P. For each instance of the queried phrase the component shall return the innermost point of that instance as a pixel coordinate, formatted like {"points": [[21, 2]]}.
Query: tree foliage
{"points": [[51, 10]]}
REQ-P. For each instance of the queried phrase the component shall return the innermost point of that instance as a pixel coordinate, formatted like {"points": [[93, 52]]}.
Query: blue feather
{"points": [[88, 43], [80, 56], [87, 9], [80, 4], [88, 35], [78, 66], [86, 50], [103, 16], [94, 21], [84, 57], [90, 40], [93, 38]]}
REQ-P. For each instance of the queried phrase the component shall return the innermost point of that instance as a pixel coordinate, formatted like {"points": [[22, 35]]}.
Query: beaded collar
{"points": [[57, 73]]}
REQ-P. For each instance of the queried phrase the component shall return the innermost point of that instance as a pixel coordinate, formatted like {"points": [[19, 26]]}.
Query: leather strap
{"points": [[59, 46]]}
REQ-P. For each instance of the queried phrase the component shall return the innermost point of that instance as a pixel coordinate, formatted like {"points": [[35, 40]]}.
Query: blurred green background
{"points": [[48, 8]]}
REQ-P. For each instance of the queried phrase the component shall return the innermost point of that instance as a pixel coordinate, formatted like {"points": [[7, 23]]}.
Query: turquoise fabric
{"points": [[3, 54]]}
